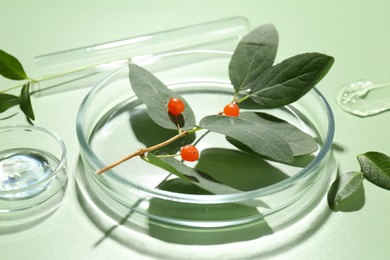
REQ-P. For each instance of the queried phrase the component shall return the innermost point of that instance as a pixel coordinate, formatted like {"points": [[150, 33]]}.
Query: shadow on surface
{"points": [[237, 169], [203, 215], [19, 227], [163, 242], [109, 231], [172, 233], [18, 221]]}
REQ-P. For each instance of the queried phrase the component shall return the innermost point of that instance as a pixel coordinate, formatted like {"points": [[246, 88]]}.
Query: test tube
{"points": [[80, 67]]}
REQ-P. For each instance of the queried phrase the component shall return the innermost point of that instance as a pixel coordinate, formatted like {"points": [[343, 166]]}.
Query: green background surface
{"points": [[356, 33]]}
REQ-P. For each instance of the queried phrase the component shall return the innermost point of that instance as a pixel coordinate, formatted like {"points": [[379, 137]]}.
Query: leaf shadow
{"points": [[302, 160], [107, 233], [177, 120], [237, 169], [338, 147], [202, 212], [149, 133]]}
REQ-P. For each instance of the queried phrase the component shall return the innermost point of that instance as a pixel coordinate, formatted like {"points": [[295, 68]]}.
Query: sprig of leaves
{"points": [[11, 68], [255, 77], [374, 167]]}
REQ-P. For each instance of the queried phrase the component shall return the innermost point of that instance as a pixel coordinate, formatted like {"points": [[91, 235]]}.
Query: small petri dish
{"points": [[33, 175], [112, 122]]}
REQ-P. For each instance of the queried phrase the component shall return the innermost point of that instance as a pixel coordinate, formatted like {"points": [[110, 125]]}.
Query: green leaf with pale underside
{"points": [[255, 136], [300, 142], [289, 80], [343, 187], [376, 168], [253, 55], [155, 95]]}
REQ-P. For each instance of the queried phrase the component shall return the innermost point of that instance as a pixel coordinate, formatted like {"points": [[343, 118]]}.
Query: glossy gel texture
{"points": [[20, 171], [364, 98]]}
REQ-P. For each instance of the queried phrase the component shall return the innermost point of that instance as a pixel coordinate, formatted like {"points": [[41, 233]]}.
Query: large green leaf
{"points": [[376, 168], [8, 101], [255, 136], [254, 54], [300, 142], [25, 103], [155, 95], [10, 67], [343, 187], [289, 80]]}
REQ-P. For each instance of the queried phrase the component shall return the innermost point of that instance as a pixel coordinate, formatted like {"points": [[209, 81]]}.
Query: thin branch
{"points": [[142, 151]]}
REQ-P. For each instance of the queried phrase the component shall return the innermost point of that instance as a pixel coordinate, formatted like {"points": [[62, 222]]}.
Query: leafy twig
{"points": [[12, 69], [374, 167], [142, 151]]}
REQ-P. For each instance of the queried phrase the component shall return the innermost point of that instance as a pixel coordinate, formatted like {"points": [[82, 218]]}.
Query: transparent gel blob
{"points": [[364, 98], [21, 171]]}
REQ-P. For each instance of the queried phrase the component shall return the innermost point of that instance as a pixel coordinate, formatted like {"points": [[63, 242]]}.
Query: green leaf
{"points": [[256, 136], [300, 142], [289, 80], [25, 103], [343, 187], [155, 95], [376, 168], [254, 54], [10, 67], [7, 101], [189, 174]]}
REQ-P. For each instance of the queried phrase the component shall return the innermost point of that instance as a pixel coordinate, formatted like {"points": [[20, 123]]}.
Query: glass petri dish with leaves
{"points": [[253, 192]]}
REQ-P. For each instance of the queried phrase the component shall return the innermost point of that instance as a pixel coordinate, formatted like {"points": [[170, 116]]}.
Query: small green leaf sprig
{"points": [[258, 83], [11, 68], [374, 167]]}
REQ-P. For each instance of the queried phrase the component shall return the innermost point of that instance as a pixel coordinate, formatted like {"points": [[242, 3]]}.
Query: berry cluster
{"points": [[176, 106]]}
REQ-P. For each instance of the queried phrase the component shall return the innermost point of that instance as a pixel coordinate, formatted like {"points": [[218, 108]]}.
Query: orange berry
{"points": [[231, 110], [175, 106], [189, 153]]}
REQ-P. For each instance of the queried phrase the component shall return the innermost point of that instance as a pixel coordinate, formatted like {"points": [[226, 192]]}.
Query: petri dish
{"points": [[33, 176], [112, 122]]}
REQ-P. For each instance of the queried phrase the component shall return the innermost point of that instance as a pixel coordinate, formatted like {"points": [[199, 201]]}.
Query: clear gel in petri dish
{"points": [[22, 170]]}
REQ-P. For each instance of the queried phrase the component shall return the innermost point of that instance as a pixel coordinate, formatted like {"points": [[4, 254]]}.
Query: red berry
{"points": [[231, 110], [189, 153], [175, 106]]}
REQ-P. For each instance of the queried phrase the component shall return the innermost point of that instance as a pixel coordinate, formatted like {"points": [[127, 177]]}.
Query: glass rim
{"points": [[96, 163], [55, 171]]}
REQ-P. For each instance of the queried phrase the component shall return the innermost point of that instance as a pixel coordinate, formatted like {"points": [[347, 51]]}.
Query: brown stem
{"points": [[142, 151]]}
